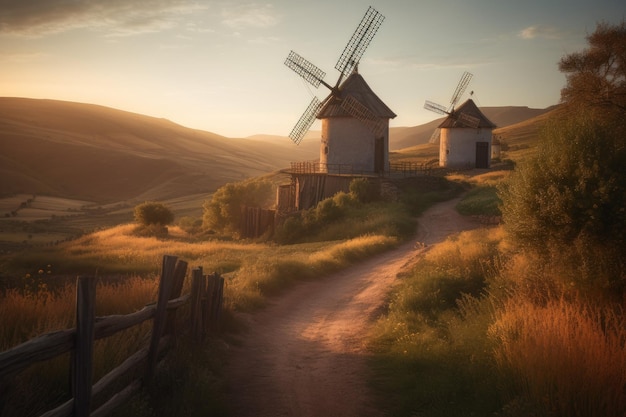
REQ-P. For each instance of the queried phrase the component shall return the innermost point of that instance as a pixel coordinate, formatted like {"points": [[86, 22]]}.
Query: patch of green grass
{"points": [[481, 200], [431, 353]]}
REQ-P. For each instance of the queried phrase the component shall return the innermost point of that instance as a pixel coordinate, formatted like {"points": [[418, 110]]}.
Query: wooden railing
{"points": [[402, 169], [205, 300]]}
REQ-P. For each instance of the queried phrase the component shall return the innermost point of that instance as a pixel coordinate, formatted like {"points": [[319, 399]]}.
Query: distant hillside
{"points": [[101, 154], [405, 137]]}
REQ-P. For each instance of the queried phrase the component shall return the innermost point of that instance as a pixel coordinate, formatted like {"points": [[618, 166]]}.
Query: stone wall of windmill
{"points": [[347, 141], [465, 148]]}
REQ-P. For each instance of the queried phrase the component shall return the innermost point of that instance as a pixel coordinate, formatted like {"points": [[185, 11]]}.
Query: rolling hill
{"points": [[100, 154]]}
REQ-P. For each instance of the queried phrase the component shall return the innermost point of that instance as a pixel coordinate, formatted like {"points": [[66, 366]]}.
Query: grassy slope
{"points": [[101, 154]]}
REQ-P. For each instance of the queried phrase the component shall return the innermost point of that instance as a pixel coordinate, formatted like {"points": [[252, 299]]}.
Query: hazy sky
{"points": [[218, 65]]}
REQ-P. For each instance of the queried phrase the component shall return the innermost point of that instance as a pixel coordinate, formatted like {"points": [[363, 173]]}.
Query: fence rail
{"points": [[404, 169], [205, 300]]}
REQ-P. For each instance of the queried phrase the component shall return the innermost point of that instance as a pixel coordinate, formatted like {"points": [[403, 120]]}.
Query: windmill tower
{"points": [[355, 122], [465, 135]]}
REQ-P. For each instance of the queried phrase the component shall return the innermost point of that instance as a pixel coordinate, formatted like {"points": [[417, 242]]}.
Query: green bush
{"points": [[364, 190], [575, 188], [223, 212], [153, 213]]}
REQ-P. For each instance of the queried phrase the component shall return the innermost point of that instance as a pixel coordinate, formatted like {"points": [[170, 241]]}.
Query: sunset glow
{"points": [[218, 66]]}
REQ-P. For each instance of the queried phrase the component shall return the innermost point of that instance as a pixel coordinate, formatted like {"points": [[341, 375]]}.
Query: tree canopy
{"points": [[596, 76], [573, 192], [223, 212], [153, 213]]}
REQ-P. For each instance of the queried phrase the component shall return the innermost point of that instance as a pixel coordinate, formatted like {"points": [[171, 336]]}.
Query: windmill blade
{"points": [[460, 89], [437, 108], [306, 69], [468, 120], [436, 134], [359, 42], [364, 115], [305, 122]]}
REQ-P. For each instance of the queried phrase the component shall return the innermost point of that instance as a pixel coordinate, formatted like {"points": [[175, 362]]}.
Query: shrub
{"points": [[153, 213], [364, 191], [223, 212]]}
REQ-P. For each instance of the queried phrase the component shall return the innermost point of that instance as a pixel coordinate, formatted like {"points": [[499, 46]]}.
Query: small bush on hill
{"points": [[153, 219], [223, 212], [153, 213]]}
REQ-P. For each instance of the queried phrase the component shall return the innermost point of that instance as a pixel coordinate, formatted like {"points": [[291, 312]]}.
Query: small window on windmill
{"points": [[326, 150]]}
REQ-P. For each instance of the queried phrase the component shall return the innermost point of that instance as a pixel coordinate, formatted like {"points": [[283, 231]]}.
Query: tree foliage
{"points": [[596, 76], [153, 213], [572, 194], [223, 212], [574, 188]]}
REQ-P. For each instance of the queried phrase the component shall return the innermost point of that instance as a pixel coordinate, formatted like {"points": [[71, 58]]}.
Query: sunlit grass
{"points": [[431, 353], [479, 328], [566, 356]]}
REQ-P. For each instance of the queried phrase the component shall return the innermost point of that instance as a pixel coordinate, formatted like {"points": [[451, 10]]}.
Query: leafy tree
{"points": [[153, 213], [223, 211], [574, 188], [596, 76], [572, 195]]}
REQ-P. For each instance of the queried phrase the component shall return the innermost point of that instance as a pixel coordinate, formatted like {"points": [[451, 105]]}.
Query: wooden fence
{"points": [[204, 299]]}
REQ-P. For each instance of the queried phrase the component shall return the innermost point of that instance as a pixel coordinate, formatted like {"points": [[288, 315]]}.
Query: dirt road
{"points": [[304, 354]]}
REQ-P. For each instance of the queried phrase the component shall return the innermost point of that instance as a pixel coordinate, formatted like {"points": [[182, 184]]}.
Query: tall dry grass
{"points": [[36, 309], [29, 312], [566, 357]]}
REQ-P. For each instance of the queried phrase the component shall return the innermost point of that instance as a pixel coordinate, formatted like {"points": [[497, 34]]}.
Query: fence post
{"points": [[197, 292], [218, 298], [177, 287], [82, 366], [165, 288]]}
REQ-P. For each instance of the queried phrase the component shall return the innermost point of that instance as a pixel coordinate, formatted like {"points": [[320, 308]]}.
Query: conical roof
{"points": [[355, 86], [469, 108]]}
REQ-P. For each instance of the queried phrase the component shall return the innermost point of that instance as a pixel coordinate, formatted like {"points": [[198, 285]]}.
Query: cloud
{"points": [[35, 18], [539, 32], [243, 16]]}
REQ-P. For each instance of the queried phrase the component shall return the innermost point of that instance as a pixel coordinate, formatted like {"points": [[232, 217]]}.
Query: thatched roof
{"points": [[470, 108], [355, 86]]}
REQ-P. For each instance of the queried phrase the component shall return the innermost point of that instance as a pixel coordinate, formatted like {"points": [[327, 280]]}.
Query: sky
{"points": [[219, 65]]}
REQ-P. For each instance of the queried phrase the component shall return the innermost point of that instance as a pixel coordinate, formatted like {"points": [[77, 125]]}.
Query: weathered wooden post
{"points": [[177, 287], [160, 315], [197, 292], [82, 361]]}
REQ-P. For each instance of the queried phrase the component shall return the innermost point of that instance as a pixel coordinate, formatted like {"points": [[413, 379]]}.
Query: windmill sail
{"points": [[305, 122], [364, 115], [460, 89], [348, 60], [305, 69], [359, 42]]}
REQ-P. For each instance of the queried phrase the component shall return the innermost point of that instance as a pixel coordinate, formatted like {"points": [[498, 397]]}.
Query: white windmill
{"points": [[355, 122], [465, 135]]}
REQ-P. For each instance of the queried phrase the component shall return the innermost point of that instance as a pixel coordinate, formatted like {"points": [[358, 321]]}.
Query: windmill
{"points": [[459, 118], [348, 62]]}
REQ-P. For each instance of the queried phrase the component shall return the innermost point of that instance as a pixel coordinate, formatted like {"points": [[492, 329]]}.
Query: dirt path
{"points": [[304, 354]]}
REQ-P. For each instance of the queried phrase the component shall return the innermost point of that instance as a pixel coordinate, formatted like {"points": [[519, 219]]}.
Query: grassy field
{"points": [[38, 295]]}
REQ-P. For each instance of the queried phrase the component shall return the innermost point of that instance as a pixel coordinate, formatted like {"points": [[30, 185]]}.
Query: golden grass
{"points": [[565, 356], [33, 311]]}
